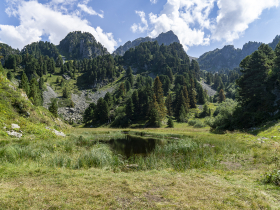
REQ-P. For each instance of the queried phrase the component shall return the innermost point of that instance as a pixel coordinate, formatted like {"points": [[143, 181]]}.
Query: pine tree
{"points": [[168, 104], [109, 99], [170, 123], [101, 111], [154, 117], [159, 97], [127, 85], [53, 108], [10, 75], [66, 93], [24, 84], [192, 95], [186, 96], [41, 83], [89, 113], [135, 100], [222, 96], [129, 108], [35, 94], [169, 74], [180, 102], [182, 114]]}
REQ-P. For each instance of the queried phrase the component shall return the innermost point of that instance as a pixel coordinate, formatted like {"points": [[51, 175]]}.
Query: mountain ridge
{"points": [[163, 38], [230, 57]]}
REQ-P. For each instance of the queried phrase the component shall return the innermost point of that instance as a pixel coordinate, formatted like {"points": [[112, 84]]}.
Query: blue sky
{"points": [[201, 25]]}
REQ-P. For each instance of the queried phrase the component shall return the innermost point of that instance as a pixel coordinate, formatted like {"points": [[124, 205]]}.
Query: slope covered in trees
{"points": [[37, 49], [229, 57], [258, 92]]}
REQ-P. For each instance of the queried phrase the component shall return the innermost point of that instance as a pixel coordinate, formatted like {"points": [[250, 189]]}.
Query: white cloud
{"points": [[153, 1], [37, 19], [235, 16], [180, 16], [89, 10], [120, 40], [141, 27], [189, 19]]}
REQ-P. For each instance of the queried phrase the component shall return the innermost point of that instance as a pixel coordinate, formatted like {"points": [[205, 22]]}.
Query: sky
{"points": [[201, 25]]}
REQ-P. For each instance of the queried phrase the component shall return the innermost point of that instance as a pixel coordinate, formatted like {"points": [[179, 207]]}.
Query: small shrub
{"points": [[272, 177], [192, 122], [196, 123], [199, 124]]}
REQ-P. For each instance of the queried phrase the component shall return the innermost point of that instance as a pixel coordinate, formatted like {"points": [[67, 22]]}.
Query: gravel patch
{"points": [[209, 90], [48, 95]]}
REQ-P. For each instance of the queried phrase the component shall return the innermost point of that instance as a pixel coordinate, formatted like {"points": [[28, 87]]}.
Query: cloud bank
{"points": [[190, 19], [56, 22]]}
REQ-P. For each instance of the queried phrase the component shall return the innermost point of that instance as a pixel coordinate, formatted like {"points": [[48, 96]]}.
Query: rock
{"points": [[48, 95], [132, 166], [14, 133], [58, 133], [15, 126]]}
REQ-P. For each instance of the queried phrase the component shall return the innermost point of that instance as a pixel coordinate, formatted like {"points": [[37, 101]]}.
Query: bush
{"points": [[224, 118], [272, 177], [196, 123], [199, 124]]}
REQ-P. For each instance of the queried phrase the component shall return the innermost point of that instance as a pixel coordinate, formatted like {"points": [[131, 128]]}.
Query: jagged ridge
{"points": [[164, 38]]}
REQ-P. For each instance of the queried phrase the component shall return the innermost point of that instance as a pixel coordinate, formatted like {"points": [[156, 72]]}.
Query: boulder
{"points": [[14, 134], [15, 126]]}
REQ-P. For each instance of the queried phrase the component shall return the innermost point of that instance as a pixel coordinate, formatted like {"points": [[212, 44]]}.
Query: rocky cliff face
{"points": [[78, 45], [164, 38], [229, 57]]}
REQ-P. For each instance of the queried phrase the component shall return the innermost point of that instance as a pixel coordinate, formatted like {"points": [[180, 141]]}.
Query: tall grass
{"points": [[85, 151]]}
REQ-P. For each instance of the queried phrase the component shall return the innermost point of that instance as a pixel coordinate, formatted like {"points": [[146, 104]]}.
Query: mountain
{"points": [[164, 38], [229, 57], [78, 45]]}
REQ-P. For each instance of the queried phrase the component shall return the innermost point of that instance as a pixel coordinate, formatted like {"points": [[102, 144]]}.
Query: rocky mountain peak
{"points": [[164, 38], [79, 45]]}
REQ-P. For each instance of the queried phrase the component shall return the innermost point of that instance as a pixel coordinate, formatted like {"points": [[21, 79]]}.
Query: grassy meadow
{"points": [[196, 169], [189, 167]]}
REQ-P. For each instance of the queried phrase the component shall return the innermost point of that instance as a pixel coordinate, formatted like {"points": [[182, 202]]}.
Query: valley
{"points": [[146, 127]]}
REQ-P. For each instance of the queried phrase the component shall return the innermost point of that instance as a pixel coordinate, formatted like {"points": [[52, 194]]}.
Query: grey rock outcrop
{"points": [[48, 95], [164, 38]]}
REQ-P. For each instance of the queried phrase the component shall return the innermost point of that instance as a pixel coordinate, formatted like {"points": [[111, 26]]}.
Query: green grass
{"points": [[191, 168]]}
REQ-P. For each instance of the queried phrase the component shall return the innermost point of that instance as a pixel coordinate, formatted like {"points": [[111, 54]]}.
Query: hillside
{"points": [[164, 38], [30, 121], [229, 57], [78, 45]]}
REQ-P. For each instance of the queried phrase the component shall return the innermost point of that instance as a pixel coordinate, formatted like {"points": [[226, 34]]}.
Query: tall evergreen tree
{"points": [[159, 97], [89, 113], [154, 116], [168, 104], [53, 108], [222, 96], [35, 94], [129, 108], [24, 84], [192, 95]]}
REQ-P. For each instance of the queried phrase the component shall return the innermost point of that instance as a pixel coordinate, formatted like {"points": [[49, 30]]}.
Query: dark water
{"points": [[134, 145]]}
